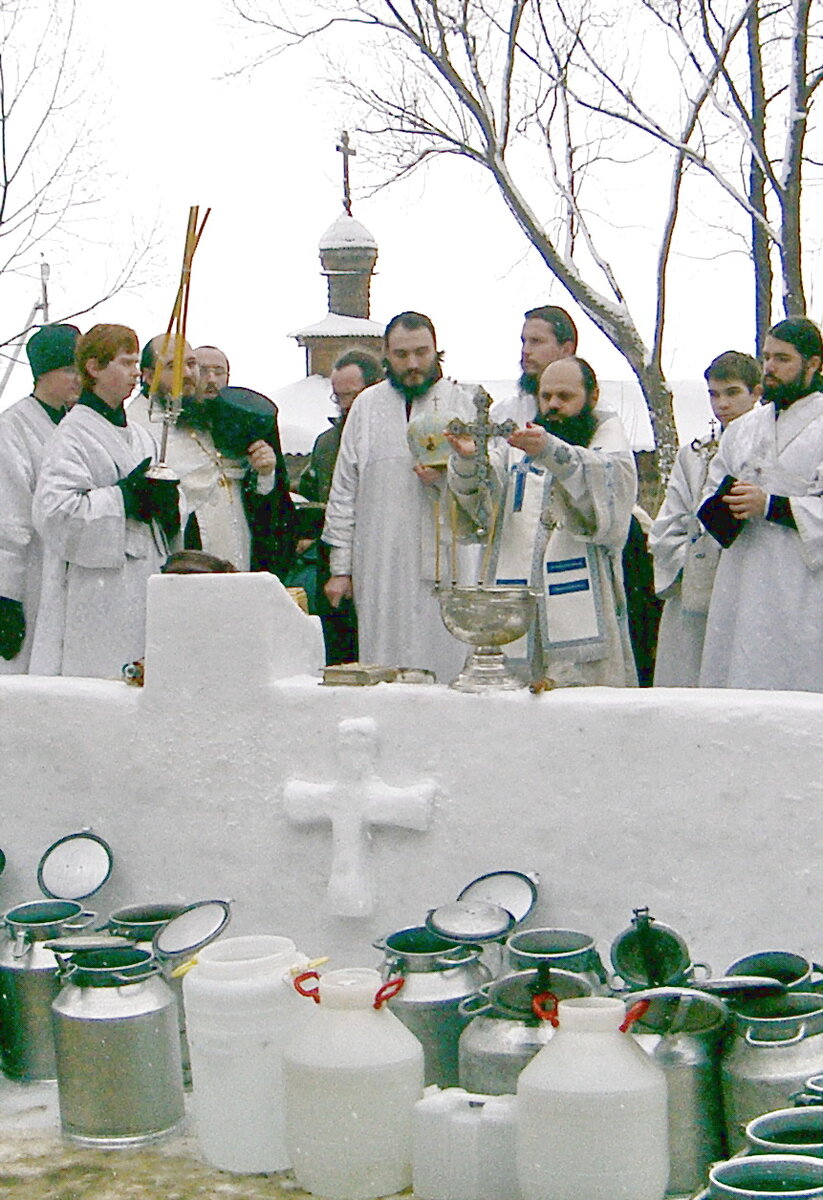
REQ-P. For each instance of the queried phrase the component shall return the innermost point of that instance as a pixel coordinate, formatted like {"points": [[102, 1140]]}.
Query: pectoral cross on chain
{"points": [[482, 429]]}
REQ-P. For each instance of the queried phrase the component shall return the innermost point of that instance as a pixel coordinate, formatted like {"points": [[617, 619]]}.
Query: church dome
{"points": [[345, 233]]}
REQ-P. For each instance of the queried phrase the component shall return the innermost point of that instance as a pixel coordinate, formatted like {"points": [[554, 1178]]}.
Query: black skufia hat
{"points": [[239, 416]]}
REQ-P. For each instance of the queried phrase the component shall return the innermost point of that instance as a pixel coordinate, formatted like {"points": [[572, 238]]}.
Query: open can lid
{"points": [[470, 921], [2, 862], [192, 929], [75, 866], [514, 891]]}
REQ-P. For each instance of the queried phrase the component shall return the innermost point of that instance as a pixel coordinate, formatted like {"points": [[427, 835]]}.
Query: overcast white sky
{"points": [[261, 151]]}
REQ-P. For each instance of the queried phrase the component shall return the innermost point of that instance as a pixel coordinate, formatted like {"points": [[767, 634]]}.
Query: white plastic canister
{"points": [[353, 1073], [591, 1111], [464, 1146], [240, 1010]]}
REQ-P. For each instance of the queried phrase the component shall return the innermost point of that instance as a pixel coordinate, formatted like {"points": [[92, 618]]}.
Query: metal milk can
{"points": [[682, 1030], [71, 869], [563, 948], [504, 1032], [172, 933], [119, 1074], [777, 1044], [438, 975], [650, 954]]}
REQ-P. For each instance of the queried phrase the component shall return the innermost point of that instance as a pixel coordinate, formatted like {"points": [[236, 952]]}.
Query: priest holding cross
{"points": [[561, 505]]}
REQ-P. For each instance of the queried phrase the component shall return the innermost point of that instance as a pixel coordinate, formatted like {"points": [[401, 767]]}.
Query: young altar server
{"points": [[25, 428], [105, 526], [765, 621], [567, 496], [685, 554]]}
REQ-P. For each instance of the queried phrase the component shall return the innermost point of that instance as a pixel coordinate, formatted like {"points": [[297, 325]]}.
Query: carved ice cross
{"points": [[355, 804]]}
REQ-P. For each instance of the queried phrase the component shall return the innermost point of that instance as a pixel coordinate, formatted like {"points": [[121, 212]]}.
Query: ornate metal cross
{"points": [[348, 152], [482, 429], [354, 804]]}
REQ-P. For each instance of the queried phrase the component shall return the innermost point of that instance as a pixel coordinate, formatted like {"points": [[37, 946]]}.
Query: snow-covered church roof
{"points": [[336, 325], [346, 233]]}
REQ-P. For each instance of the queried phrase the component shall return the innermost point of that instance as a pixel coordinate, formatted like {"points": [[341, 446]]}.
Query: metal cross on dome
{"points": [[354, 804], [348, 152]]}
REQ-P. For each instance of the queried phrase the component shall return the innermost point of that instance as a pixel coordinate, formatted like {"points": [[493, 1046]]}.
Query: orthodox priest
{"points": [[236, 498], [386, 520], [105, 525], [565, 503], [25, 428], [765, 622]]}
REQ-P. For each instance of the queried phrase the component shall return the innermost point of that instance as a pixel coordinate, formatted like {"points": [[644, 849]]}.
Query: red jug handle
{"points": [[542, 1013], [312, 993], [636, 1011], [389, 989]]}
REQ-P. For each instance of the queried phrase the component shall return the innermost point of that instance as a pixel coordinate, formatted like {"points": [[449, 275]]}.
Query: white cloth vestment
{"points": [[765, 622], [210, 486], [25, 428], [680, 638], [96, 563], [381, 526], [565, 518]]}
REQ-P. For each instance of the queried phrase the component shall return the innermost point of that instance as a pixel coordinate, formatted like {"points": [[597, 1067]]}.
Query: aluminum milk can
{"points": [[682, 1031], [438, 975], [119, 1074], [29, 983], [505, 1033], [777, 1044], [563, 948]]}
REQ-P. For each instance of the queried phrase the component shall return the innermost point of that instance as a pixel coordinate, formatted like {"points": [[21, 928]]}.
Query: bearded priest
{"points": [[566, 498]]}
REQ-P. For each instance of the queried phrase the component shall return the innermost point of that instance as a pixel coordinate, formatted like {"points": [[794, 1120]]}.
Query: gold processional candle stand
{"points": [[176, 327]]}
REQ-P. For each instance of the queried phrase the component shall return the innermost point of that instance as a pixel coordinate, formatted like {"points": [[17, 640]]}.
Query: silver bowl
{"points": [[487, 617]]}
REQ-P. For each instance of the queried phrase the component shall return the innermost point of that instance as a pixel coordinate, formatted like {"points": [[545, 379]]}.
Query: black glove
{"points": [[12, 627], [151, 499]]}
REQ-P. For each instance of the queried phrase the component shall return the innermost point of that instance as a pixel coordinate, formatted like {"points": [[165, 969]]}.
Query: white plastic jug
{"points": [[464, 1146], [591, 1111], [353, 1073], [240, 1011]]}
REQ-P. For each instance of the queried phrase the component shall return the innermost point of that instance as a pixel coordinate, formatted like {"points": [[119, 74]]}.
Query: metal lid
{"points": [[514, 891], [675, 1010], [470, 921], [648, 953], [75, 866], [193, 928], [514, 993], [87, 941], [742, 987], [2, 862]]}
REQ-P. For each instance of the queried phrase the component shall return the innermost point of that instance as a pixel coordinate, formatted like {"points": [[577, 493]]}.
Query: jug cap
{"points": [[194, 927], [75, 866], [515, 891], [470, 921], [649, 954]]}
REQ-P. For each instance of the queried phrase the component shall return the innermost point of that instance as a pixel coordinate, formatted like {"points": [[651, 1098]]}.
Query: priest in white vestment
{"points": [[25, 429], [548, 334], [106, 527], [215, 487], [566, 502], [387, 524], [685, 554], [765, 621]]}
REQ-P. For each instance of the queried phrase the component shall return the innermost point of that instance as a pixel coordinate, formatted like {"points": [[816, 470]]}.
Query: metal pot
{"points": [[777, 1044], [682, 1030], [503, 1033], [793, 970], [119, 1073], [29, 983], [438, 975]]}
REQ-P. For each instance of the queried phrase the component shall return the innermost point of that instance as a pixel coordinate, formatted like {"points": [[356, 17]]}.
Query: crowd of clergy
{"points": [[416, 487]]}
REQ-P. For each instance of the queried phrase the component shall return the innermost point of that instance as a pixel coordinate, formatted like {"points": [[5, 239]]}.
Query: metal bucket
{"points": [[438, 975], [565, 949], [777, 1045], [119, 1073], [29, 983]]}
